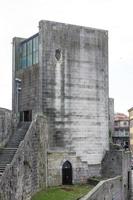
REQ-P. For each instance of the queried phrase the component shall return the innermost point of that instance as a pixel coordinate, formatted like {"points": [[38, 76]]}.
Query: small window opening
{"points": [[26, 116]]}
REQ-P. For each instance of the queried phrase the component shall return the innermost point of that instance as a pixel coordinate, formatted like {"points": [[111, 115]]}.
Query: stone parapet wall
{"points": [[5, 125], [110, 189], [126, 173], [115, 163], [27, 172]]}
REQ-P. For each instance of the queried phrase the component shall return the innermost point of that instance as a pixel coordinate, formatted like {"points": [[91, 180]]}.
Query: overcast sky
{"points": [[20, 18]]}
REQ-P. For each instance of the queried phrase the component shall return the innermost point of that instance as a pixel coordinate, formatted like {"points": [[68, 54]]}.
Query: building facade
{"points": [[121, 130], [130, 111], [62, 72]]}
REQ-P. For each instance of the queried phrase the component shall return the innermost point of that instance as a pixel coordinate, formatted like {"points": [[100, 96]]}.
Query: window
{"points": [[28, 51], [125, 123], [35, 50], [26, 116], [23, 55], [116, 123]]}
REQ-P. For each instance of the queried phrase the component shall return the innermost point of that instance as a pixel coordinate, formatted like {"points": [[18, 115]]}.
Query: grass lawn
{"points": [[63, 192]]}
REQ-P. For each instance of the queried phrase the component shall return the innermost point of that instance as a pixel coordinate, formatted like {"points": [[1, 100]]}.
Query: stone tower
{"points": [[62, 72]]}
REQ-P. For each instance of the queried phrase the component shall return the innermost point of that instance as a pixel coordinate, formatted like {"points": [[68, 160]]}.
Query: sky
{"points": [[19, 18]]}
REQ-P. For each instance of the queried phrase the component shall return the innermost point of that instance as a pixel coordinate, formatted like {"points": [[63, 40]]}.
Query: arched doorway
{"points": [[67, 173]]}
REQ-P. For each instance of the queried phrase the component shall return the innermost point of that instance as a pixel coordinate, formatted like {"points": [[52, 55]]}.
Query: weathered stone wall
{"points": [[111, 117], [5, 126], [70, 86], [80, 170], [74, 82], [28, 98], [112, 164], [126, 173], [110, 189], [118, 163], [28, 170]]}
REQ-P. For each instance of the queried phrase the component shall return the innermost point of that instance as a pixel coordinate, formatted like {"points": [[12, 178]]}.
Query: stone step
{"points": [[6, 162], [3, 167], [2, 170], [7, 154]]}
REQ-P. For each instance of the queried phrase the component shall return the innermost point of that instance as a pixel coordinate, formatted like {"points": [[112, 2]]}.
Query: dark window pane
{"points": [[29, 60], [29, 47], [37, 57], [24, 50]]}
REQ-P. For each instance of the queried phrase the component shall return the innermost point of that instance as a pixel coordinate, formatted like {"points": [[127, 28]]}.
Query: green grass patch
{"points": [[63, 192]]}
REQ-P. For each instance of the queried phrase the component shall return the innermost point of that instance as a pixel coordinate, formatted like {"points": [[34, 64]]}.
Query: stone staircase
{"points": [[7, 153]]}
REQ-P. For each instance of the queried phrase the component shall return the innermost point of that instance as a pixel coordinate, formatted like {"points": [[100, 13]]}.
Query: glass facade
{"points": [[28, 51]]}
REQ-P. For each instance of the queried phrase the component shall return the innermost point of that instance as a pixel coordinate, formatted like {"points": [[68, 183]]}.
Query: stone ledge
{"points": [[97, 189]]}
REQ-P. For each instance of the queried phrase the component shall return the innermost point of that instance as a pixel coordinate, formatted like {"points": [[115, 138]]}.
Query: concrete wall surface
{"points": [[126, 173], [118, 162], [28, 97], [27, 172], [73, 69], [5, 125], [110, 189], [111, 116]]}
